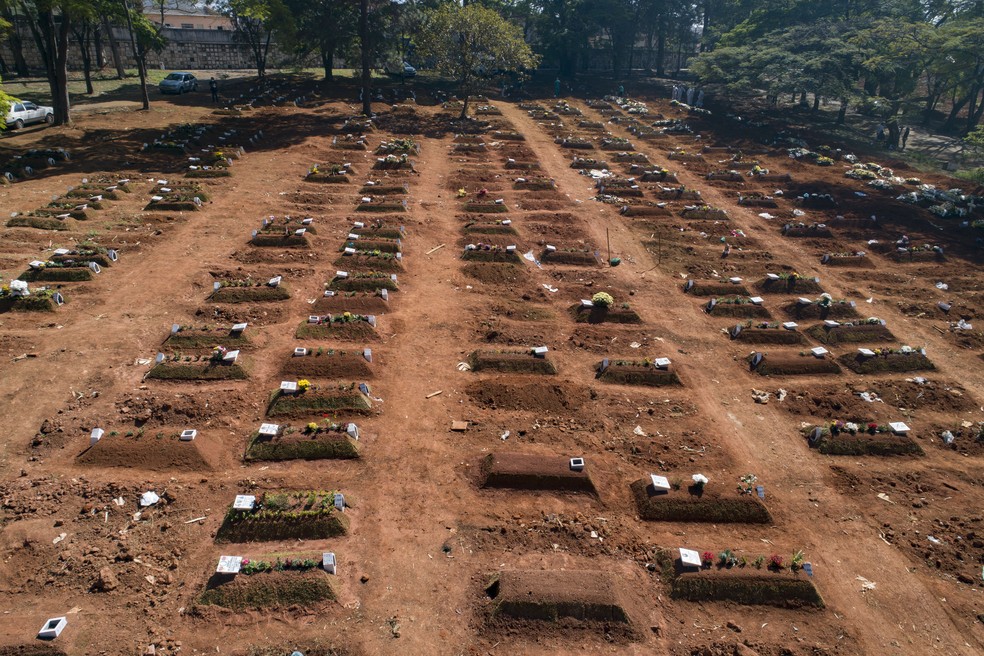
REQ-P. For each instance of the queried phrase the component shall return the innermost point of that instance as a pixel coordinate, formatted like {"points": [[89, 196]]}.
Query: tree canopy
{"points": [[473, 43]]}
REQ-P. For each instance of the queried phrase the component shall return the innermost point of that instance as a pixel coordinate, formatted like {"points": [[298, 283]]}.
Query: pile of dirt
{"points": [[526, 471], [550, 596], [844, 401], [537, 397], [151, 452]]}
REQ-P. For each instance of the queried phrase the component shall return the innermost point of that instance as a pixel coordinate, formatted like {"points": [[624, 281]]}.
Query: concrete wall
{"points": [[186, 49]]}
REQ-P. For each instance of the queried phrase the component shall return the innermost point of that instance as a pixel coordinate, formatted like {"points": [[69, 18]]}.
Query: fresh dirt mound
{"points": [[539, 397], [510, 362], [254, 315], [368, 303], [493, 273], [768, 336], [347, 365], [307, 648], [525, 471], [675, 506], [31, 650], [147, 452], [551, 596], [844, 400], [157, 409], [795, 365], [865, 333]]}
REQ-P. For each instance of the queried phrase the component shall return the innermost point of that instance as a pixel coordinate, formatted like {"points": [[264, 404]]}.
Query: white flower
{"points": [[700, 479]]}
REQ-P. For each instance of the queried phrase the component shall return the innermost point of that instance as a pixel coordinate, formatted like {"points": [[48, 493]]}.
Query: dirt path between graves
{"points": [[760, 438]]}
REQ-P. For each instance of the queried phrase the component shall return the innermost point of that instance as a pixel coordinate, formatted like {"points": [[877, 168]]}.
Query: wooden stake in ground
{"points": [[608, 237]]}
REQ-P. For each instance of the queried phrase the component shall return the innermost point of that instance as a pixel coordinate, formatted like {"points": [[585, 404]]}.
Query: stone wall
{"points": [[185, 49]]}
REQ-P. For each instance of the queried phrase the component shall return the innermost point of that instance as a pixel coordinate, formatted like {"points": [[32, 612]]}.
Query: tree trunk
{"points": [[82, 37], [17, 47], [705, 26], [364, 45], [328, 59], [141, 57], [98, 45], [951, 120], [842, 114], [974, 114], [114, 48], [816, 103], [52, 42], [893, 133], [464, 108], [266, 51], [62, 104], [661, 46]]}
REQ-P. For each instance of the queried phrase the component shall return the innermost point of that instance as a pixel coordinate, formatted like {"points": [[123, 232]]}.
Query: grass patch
{"points": [[197, 371], [486, 208], [57, 274], [510, 362], [38, 222], [635, 373], [269, 590], [495, 255], [281, 241], [789, 286], [764, 590], [887, 363], [710, 288], [27, 304], [302, 446], [796, 366], [234, 294], [318, 400], [850, 334], [369, 282], [206, 339], [300, 515], [341, 330]]}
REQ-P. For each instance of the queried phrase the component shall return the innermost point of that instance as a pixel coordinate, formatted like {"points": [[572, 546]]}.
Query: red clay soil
{"points": [[424, 538]]}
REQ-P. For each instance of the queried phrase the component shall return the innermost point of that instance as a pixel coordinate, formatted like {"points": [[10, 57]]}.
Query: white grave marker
{"points": [[689, 558], [244, 502], [52, 628], [229, 564]]}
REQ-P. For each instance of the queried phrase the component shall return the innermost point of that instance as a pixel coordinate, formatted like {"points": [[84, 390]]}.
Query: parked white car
{"points": [[178, 83], [24, 113]]}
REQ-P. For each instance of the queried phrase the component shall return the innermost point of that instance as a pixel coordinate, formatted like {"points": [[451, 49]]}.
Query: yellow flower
{"points": [[303, 384]]}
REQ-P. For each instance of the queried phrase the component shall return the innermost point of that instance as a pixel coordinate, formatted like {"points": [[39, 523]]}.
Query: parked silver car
{"points": [[23, 113], [178, 83]]}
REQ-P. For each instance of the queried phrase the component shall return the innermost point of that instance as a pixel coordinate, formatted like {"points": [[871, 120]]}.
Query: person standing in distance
{"points": [[214, 88]]}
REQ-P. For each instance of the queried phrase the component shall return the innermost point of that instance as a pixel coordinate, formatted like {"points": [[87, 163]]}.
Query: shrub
{"points": [[603, 299]]}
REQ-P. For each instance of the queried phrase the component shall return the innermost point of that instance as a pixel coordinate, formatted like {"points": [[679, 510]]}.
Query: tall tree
{"points": [[14, 39], [365, 48], [312, 19], [473, 43], [255, 22], [50, 23]]}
